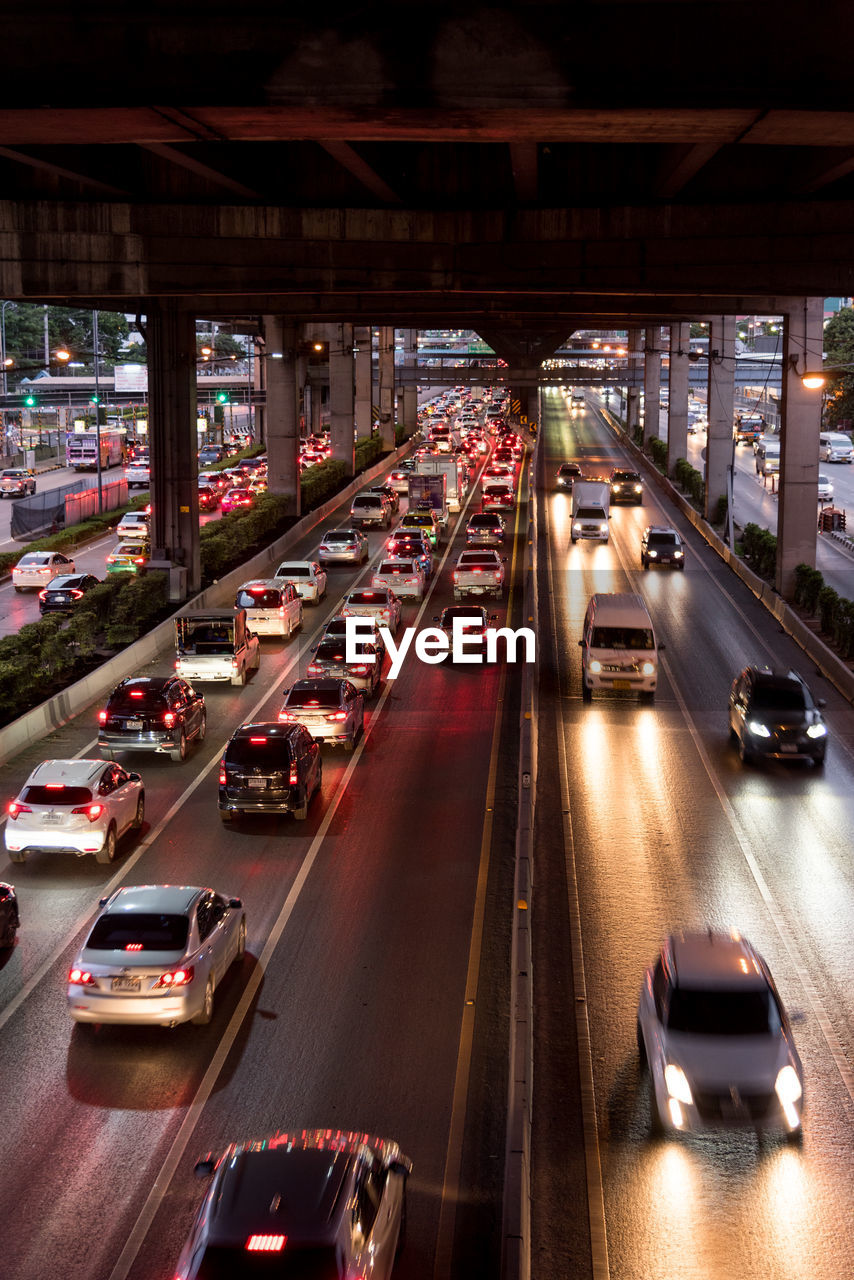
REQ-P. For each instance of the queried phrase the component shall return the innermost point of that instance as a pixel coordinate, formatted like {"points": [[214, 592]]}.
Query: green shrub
{"points": [[137, 606], [368, 451], [321, 482], [828, 604], [808, 584], [760, 549], [658, 452], [719, 516], [843, 628]]}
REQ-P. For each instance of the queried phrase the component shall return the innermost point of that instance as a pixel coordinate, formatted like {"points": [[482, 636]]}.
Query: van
{"points": [[619, 650], [834, 446], [370, 509], [273, 607], [767, 456]]}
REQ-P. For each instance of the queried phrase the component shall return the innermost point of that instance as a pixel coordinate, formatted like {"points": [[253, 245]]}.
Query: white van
{"points": [[618, 649], [272, 606], [767, 456], [834, 446]]}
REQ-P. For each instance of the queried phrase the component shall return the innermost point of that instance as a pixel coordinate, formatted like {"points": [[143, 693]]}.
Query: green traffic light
{"points": [[222, 397], [96, 399], [29, 401]]}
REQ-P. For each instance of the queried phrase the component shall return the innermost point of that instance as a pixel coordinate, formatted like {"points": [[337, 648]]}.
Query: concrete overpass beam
{"points": [[386, 387], [652, 382], [719, 440], [173, 439], [364, 375], [282, 410], [342, 406], [799, 432], [677, 399]]}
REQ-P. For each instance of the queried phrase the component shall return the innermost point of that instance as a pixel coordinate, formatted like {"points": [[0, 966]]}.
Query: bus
{"points": [[81, 449]]}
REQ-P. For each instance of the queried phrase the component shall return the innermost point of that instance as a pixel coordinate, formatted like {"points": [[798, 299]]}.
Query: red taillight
{"points": [[314, 670], [175, 978], [359, 671], [169, 719], [293, 776], [15, 809], [92, 811], [75, 594], [456, 575], [257, 741], [412, 582], [266, 1244], [337, 715], [137, 693], [133, 946], [139, 560], [102, 717], [281, 611], [43, 594], [287, 715], [80, 978], [222, 778]]}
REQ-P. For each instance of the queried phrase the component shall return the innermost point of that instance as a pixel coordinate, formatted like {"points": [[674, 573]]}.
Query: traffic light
{"points": [[222, 397], [30, 401], [95, 398]]}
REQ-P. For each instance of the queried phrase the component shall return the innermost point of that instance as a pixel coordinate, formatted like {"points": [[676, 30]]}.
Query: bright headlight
{"points": [[759, 729], [677, 555], [638, 488], [787, 1086], [816, 731], [677, 1084], [648, 668], [603, 528], [576, 528], [652, 554], [596, 666]]}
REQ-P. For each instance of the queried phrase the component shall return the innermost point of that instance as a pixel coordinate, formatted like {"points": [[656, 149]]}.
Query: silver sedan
{"points": [[155, 956]]}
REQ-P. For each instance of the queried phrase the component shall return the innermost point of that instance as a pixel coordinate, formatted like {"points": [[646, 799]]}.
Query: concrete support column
{"points": [[282, 410], [363, 375], [409, 412], [173, 440], [386, 386], [531, 405], [799, 432], [635, 349], [719, 439], [341, 395], [652, 382], [677, 399]]}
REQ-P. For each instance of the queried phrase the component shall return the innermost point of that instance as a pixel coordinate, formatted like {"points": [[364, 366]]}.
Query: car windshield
{"points": [[625, 476], [227, 1262], [622, 638], [779, 697], [138, 931], [663, 540], [723, 1013], [313, 697], [57, 794]]}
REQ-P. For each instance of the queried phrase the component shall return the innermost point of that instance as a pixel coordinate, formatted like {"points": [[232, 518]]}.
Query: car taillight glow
{"points": [[337, 715], [81, 978], [133, 946], [102, 717], [136, 693], [359, 671], [314, 670], [293, 776], [257, 741], [169, 719], [43, 595], [175, 978], [15, 808], [266, 1244], [222, 777], [91, 811]]}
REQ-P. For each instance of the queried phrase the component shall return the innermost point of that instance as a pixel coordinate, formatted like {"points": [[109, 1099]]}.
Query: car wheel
{"points": [[239, 679], [227, 815], [818, 762], [107, 852], [7, 939], [586, 694], [19, 588], [349, 743], [241, 940], [16, 855], [180, 752], [203, 728], [205, 1014], [744, 755], [301, 812], [139, 819], [647, 695]]}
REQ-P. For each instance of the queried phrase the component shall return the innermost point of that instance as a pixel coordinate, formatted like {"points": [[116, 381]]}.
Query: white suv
{"points": [[74, 806], [714, 1034], [307, 576]]}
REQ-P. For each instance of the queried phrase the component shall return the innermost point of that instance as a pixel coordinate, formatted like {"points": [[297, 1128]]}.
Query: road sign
{"points": [[515, 406]]}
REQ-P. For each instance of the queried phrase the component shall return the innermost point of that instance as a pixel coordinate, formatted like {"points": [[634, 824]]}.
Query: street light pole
{"points": [[97, 412]]}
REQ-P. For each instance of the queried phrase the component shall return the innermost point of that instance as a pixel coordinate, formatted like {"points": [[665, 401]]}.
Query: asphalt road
{"points": [[647, 822], [373, 994]]}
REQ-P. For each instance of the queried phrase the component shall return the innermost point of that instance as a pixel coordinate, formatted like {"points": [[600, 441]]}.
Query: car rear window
{"points": [[57, 795], [396, 566], [477, 562], [622, 638], [314, 697], [484, 522], [259, 751], [138, 931], [367, 597], [339, 537], [34, 557], [293, 571], [461, 611], [723, 1013], [268, 598], [136, 700], [329, 650]]}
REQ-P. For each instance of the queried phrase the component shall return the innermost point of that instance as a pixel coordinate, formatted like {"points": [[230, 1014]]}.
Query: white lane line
{"points": [[592, 1155]]}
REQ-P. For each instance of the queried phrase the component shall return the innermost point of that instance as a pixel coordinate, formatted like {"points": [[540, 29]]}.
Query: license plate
{"points": [[622, 684], [126, 984], [789, 746], [133, 724], [51, 819], [257, 784]]}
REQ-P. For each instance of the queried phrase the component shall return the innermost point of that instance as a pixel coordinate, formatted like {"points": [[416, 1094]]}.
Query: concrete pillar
{"points": [[282, 410], [172, 437], [531, 405], [719, 439], [799, 432], [386, 386], [363, 373], [677, 399], [635, 348], [409, 413], [651, 382], [341, 395]]}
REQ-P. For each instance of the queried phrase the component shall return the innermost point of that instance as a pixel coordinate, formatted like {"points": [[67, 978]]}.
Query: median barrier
{"points": [[63, 706]]}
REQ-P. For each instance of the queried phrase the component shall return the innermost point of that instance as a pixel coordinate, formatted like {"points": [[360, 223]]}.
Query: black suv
{"points": [[152, 713], [773, 714], [567, 473], [269, 767], [662, 545], [626, 486]]}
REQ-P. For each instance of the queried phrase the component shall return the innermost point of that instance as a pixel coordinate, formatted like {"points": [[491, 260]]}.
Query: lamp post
{"points": [[97, 399]]}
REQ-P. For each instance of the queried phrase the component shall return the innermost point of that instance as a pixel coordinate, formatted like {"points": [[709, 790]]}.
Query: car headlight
{"points": [[638, 488], [787, 1086], [677, 555], [816, 731], [677, 1084], [576, 528], [759, 729], [652, 554], [596, 666], [603, 528], [648, 669]]}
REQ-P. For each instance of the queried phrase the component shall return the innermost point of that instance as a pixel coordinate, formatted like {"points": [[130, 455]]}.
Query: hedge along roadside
{"points": [[61, 707]]}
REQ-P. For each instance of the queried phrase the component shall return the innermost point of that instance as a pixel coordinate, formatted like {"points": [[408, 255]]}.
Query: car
{"points": [[333, 710], [412, 546], [211, 453], [485, 529], [10, 918], [567, 473], [17, 482], [208, 497], [501, 469], [388, 492], [63, 592], [423, 521], [129, 557], [477, 622], [626, 486], [308, 578], [152, 713], [373, 602], [329, 659], [155, 955], [715, 1039], [36, 569], [213, 480], [74, 806], [773, 715], [336, 629], [479, 573], [269, 767], [403, 577], [138, 475], [314, 1203], [343, 546], [134, 526], [237, 499], [662, 545], [273, 606], [495, 499], [825, 489], [399, 482]]}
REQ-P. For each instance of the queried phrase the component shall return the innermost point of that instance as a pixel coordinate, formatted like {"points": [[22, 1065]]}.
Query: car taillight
{"points": [[92, 811], [337, 715], [15, 808], [43, 595], [44, 570], [281, 611], [169, 719], [314, 670], [80, 978], [175, 978], [287, 715], [293, 776], [222, 777], [359, 671], [266, 1244], [102, 717], [139, 560], [411, 582], [456, 575], [75, 594]]}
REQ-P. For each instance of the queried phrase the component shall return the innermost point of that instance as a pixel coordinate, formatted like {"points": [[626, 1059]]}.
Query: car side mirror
{"points": [[435, 617], [662, 647], [204, 1168], [821, 702], [235, 903], [134, 777], [581, 642]]}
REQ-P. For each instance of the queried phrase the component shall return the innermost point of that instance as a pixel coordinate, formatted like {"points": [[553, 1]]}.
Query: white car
{"points": [[74, 806], [35, 569], [155, 956], [712, 1030], [307, 576], [138, 475], [403, 577], [825, 489], [273, 607], [133, 527], [373, 602]]}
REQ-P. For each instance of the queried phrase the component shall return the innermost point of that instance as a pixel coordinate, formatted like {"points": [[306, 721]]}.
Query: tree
{"points": [[839, 350], [69, 327]]}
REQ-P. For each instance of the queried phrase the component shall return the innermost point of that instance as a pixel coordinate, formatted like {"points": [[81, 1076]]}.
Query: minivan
{"points": [[767, 456], [834, 446], [273, 606], [618, 648]]}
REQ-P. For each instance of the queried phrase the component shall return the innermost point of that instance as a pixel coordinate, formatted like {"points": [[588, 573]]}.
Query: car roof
{"points": [[661, 528], [171, 899], [73, 773], [271, 584], [264, 728], [321, 682], [712, 959], [152, 683], [774, 679], [620, 609]]}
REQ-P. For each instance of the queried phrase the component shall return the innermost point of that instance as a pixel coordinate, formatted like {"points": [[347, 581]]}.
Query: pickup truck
{"points": [[17, 482], [138, 475], [591, 509], [216, 646], [479, 573]]}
